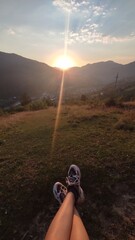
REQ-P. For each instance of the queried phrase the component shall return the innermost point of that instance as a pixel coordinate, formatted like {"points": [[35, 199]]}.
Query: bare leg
{"points": [[60, 228], [67, 224], [78, 230]]}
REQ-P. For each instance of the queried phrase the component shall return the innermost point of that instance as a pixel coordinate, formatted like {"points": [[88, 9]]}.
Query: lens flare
{"points": [[62, 84]]}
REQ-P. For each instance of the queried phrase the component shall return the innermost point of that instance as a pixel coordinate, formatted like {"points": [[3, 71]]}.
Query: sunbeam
{"points": [[62, 85]]}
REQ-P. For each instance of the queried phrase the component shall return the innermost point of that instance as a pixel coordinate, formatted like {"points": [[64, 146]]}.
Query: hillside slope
{"points": [[19, 75], [99, 74], [124, 89], [90, 138]]}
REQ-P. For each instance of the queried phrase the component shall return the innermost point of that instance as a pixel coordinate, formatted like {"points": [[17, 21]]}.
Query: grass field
{"points": [[100, 141]]}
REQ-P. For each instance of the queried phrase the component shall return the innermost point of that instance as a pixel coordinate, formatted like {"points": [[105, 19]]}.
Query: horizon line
{"points": [[89, 63]]}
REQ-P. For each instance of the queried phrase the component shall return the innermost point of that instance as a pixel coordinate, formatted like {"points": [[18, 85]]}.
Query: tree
{"points": [[25, 99], [83, 97]]}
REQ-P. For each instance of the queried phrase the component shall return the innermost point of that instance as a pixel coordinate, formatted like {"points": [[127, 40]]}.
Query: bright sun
{"points": [[64, 62]]}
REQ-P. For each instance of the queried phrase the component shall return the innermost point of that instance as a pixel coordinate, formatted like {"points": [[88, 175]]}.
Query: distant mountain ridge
{"points": [[102, 72], [19, 75]]}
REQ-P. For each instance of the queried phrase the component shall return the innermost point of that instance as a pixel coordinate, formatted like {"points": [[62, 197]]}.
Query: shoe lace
{"points": [[73, 180]]}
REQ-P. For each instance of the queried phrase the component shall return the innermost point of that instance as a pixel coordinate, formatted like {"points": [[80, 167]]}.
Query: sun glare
{"points": [[64, 62]]}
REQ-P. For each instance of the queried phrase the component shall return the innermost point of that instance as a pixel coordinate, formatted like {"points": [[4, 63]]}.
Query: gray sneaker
{"points": [[59, 191], [73, 179]]}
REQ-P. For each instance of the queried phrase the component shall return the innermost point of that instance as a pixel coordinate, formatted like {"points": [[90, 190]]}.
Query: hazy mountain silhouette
{"points": [[101, 73], [19, 75]]}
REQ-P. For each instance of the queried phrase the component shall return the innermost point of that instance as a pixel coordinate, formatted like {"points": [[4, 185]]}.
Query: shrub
{"points": [[19, 109], [48, 101], [37, 105], [111, 102], [126, 123], [83, 98], [25, 99], [1, 112]]}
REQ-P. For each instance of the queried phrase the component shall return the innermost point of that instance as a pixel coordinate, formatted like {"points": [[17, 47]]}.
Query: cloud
{"points": [[91, 35], [71, 5], [11, 31], [86, 20], [85, 7], [95, 23], [98, 10]]}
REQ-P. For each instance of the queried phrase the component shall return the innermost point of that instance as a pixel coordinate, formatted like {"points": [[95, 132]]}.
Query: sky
{"points": [[91, 30]]}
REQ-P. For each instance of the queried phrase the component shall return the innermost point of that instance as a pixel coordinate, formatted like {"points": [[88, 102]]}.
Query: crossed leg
{"points": [[67, 224], [78, 231]]}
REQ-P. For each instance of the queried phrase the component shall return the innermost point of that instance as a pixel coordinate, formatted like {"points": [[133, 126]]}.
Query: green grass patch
{"points": [[29, 168]]}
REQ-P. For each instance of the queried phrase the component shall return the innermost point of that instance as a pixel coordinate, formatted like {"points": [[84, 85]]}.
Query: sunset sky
{"points": [[98, 30]]}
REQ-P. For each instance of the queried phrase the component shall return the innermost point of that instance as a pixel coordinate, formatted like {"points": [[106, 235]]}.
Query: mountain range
{"points": [[19, 75]]}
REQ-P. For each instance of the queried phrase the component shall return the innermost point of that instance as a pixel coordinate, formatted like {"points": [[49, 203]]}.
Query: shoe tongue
{"points": [[72, 173], [58, 188]]}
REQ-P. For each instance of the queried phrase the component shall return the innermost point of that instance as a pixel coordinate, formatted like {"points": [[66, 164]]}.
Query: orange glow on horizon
{"points": [[64, 62]]}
